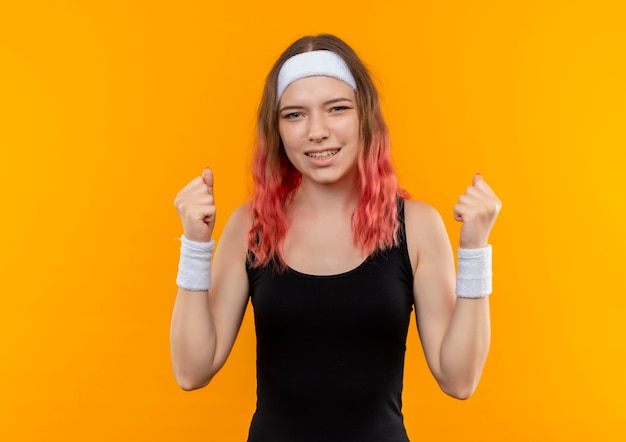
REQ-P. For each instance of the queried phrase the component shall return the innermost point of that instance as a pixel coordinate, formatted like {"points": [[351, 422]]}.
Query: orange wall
{"points": [[107, 108]]}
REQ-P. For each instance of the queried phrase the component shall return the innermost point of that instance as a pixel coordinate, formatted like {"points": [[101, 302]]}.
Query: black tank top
{"points": [[330, 351]]}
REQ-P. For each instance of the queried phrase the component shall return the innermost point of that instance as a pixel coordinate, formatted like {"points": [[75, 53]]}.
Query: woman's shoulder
{"points": [[242, 215], [419, 213], [237, 227], [424, 227]]}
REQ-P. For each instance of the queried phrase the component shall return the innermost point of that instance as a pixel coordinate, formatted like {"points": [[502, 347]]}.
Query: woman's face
{"points": [[319, 126]]}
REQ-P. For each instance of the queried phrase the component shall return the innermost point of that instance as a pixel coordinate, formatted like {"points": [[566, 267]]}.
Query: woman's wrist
{"points": [[194, 267], [474, 275]]}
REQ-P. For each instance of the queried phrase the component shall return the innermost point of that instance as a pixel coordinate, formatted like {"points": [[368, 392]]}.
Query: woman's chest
{"points": [[321, 248]]}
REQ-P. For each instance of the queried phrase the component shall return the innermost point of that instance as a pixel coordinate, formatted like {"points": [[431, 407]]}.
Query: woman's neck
{"points": [[317, 199]]}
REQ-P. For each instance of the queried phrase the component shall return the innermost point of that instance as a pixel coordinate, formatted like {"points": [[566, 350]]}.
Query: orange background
{"points": [[107, 108]]}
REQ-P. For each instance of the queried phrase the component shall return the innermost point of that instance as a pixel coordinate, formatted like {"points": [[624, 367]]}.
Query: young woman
{"points": [[333, 256]]}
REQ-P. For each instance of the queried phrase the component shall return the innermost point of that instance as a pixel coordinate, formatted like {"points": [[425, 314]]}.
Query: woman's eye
{"points": [[338, 108], [293, 115]]}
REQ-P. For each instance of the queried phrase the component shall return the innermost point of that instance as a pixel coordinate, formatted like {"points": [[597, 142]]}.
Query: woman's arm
{"points": [[205, 323], [455, 332]]}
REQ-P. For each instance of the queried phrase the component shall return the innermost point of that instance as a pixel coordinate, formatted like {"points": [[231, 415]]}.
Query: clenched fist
{"points": [[477, 209], [196, 207]]}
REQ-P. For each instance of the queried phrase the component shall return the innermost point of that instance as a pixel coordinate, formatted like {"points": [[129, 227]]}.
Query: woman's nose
{"points": [[318, 130]]}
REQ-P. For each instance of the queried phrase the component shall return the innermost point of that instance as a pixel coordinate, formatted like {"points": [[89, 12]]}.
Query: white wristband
{"points": [[194, 267], [473, 279]]}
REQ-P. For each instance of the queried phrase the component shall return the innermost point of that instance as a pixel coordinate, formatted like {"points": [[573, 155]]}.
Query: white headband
{"points": [[309, 64]]}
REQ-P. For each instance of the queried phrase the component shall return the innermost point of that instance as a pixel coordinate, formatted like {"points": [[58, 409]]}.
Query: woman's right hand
{"points": [[196, 207]]}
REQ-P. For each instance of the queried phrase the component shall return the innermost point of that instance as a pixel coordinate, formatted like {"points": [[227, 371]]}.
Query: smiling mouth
{"points": [[323, 155]]}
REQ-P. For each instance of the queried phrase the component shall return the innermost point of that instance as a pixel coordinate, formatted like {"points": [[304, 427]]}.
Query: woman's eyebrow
{"points": [[337, 100], [291, 107], [325, 103]]}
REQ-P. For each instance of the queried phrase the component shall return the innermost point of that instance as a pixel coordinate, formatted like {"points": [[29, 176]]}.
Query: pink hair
{"points": [[375, 219], [272, 188]]}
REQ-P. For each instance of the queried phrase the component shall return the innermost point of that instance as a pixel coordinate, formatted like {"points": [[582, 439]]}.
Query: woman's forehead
{"points": [[318, 88]]}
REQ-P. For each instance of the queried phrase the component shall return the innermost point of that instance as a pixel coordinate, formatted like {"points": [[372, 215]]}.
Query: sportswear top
{"points": [[330, 350]]}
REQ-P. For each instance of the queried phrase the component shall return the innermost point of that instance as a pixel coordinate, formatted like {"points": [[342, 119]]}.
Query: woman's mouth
{"points": [[323, 154]]}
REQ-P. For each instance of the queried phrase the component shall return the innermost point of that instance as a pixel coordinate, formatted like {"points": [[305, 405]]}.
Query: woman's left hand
{"points": [[477, 209]]}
